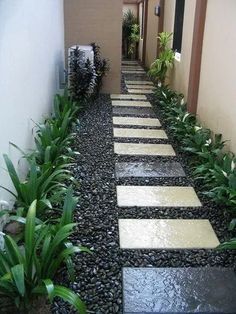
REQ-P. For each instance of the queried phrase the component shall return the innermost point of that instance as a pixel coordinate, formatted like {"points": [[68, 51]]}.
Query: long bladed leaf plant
{"points": [[26, 273]]}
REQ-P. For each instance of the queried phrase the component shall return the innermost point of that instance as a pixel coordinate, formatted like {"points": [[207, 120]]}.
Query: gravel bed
{"points": [[98, 276]]}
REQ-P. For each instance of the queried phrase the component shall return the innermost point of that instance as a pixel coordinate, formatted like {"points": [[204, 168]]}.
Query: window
{"points": [[178, 26]]}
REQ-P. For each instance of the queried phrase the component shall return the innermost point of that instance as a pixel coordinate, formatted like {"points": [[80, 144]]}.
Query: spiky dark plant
{"points": [[101, 67], [82, 76]]}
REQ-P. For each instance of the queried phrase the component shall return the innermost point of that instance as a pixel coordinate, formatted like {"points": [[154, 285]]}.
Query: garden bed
{"points": [[98, 276]]}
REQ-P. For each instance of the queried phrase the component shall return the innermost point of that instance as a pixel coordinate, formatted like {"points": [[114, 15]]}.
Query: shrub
{"points": [[82, 76], [129, 20], [134, 39], [165, 60], [101, 67]]}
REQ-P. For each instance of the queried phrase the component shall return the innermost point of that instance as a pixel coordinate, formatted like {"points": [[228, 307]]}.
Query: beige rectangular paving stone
{"points": [[130, 86], [139, 133], [128, 97], [136, 121], [132, 103], [167, 234], [139, 91], [132, 67], [130, 62], [139, 82], [143, 149], [133, 72], [155, 196]]}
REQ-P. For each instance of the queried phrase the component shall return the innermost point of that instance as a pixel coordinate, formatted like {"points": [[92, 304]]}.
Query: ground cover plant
{"points": [[212, 166], [29, 262]]}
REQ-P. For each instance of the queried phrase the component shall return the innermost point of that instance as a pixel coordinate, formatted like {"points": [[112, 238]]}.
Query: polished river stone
{"points": [[133, 111], [149, 169], [179, 290], [167, 234], [136, 121]]}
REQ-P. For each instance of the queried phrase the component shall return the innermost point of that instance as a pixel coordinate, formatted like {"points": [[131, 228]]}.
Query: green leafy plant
{"points": [[160, 66], [82, 76], [129, 20], [46, 187], [101, 67], [27, 272], [133, 39]]}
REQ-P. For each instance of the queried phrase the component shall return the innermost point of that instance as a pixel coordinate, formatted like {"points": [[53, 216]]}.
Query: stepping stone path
{"points": [[130, 86], [160, 290], [145, 122], [143, 149], [149, 169], [133, 111], [179, 290], [128, 97], [128, 103], [157, 196], [139, 83], [140, 91], [139, 133], [166, 234]]}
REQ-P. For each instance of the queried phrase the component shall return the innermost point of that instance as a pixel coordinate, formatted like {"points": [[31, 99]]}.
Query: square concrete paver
{"points": [[179, 290], [128, 97], [167, 234], [136, 121], [139, 82], [139, 133], [143, 149], [154, 196], [130, 103], [140, 91], [149, 169], [133, 111]]}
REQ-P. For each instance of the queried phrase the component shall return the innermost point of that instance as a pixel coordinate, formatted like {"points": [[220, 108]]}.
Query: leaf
{"points": [[232, 224], [50, 288], [30, 237], [18, 276], [70, 297]]}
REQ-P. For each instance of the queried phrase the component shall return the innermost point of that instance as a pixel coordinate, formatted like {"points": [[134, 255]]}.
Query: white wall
{"points": [[31, 56]]}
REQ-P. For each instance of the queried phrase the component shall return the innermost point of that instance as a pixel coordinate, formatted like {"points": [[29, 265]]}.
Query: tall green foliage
{"points": [[129, 32], [160, 66]]}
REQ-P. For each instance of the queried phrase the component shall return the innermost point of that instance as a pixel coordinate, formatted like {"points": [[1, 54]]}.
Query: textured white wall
{"points": [[31, 56]]}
